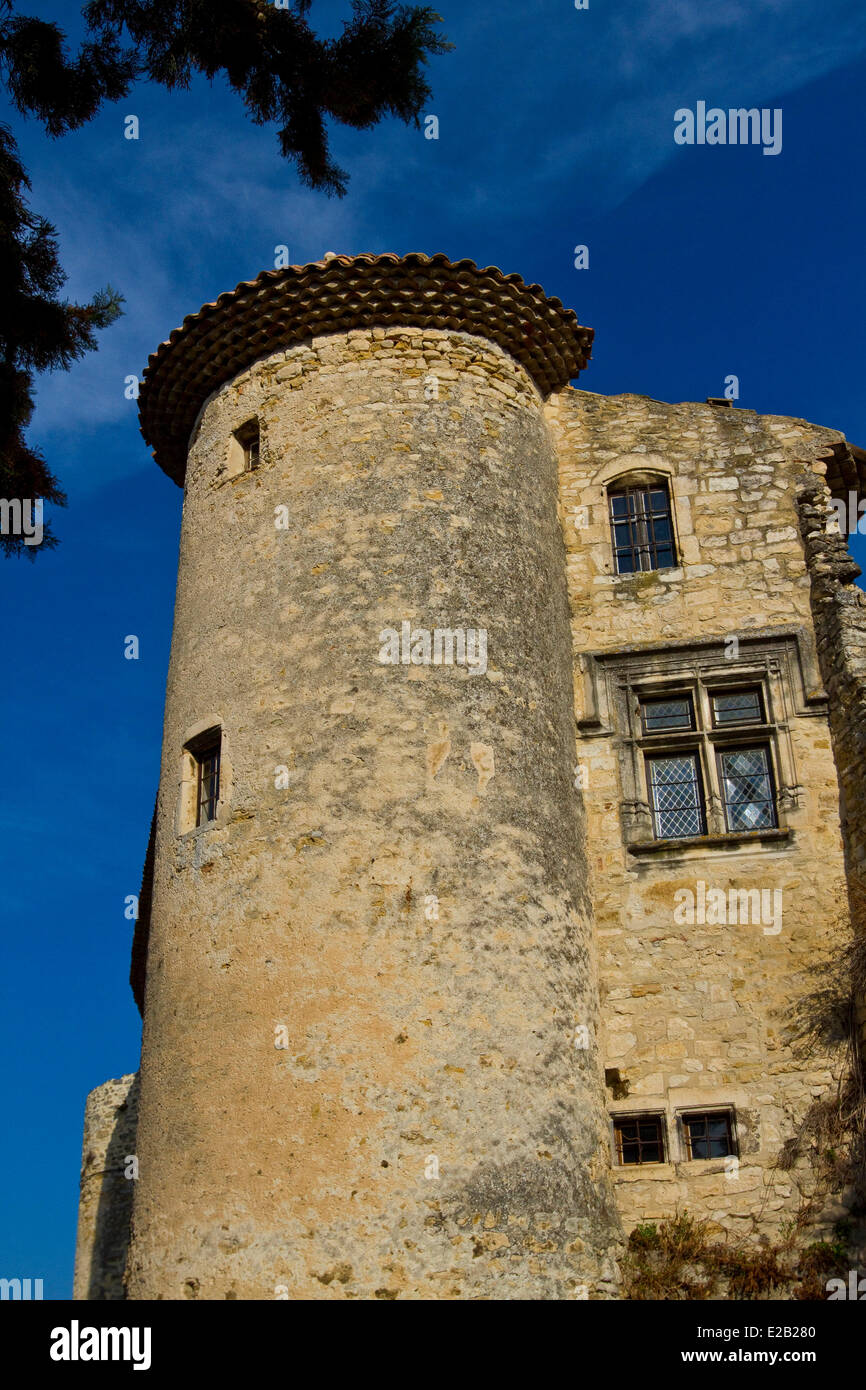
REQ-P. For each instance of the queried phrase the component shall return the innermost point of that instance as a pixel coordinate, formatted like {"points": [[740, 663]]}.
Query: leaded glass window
{"points": [[747, 789], [738, 707], [675, 792], [661, 715]]}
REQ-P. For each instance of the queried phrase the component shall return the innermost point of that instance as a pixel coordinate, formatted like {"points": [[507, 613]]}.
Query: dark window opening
{"points": [[709, 1135], [747, 789], [676, 797], [640, 1140], [249, 438], [205, 752], [642, 529]]}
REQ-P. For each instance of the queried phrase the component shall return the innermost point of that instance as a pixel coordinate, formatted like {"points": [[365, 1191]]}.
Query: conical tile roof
{"points": [[283, 307]]}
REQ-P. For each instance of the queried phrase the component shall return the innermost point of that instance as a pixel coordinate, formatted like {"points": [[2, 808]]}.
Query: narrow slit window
{"points": [[205, 753], [642, 529], [676, 796], [747, 789], [208, 785], [639, 1139], [249, 439]]}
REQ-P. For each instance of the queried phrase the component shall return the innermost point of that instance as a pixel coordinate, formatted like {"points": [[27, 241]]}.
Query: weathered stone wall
{"points": [[839, 612], [412, 908], [700, 1015], [105, 1204]]}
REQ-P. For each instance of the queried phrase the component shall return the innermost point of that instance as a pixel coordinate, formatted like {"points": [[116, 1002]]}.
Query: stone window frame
{"points": [[780, 661], [235, 460], [642, 470], [643, 480], [195, 737], [671, 1112], [650, 1112], [704, 746]]}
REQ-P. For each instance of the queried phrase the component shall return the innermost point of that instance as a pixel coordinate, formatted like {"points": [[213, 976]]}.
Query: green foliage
{"points": [[44, 82], [281, 69], [645, 1237], [284, 73], [37, 332]]}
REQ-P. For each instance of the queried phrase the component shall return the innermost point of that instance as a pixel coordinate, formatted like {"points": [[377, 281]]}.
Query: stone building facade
{"points": [[510, 813]]}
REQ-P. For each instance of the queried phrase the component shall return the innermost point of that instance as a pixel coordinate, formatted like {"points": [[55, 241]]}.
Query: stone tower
{"points": [[370, 1063], [510, 847]]}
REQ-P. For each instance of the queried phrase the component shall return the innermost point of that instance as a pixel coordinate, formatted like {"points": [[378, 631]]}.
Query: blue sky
{"points": [[555, 129]]}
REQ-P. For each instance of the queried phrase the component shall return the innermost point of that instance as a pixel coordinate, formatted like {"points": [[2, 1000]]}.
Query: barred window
{"points": [[747, 788], [642, 529], [639, 1139], [708, 1134], [676, 796]]}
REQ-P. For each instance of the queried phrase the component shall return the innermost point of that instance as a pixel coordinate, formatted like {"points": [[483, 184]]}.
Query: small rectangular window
{"points": [[639, 1139], [206, 755], [642, 529], [738, 707], [747, 789], [249, 438], [676, 797], [671, 713], [708, 1134]]}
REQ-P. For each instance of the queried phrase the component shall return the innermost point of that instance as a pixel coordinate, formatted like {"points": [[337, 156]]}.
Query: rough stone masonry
{"points": [[407, 977]]}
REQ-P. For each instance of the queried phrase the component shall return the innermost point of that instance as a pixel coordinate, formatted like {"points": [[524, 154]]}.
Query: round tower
{"points": [[368, 1065]]}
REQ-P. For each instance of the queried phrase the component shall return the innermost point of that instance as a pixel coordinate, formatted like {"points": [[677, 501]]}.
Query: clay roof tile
{"points": [[281, 308]]}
